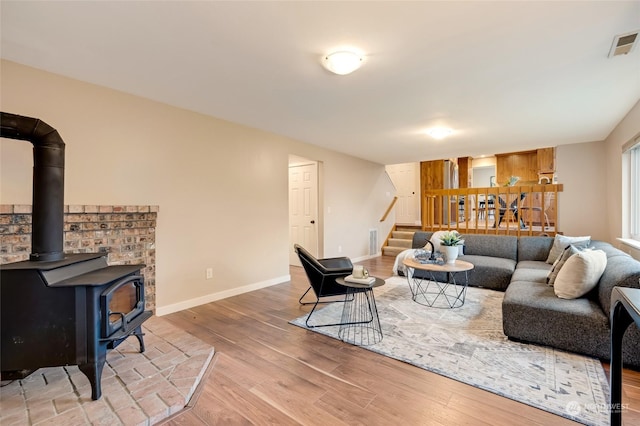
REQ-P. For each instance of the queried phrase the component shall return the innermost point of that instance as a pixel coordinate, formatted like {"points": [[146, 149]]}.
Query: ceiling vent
{"points": [[623, 44]]}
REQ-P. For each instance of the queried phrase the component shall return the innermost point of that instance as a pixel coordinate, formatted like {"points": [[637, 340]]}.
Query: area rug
{"points": [[137, 388], [467, 344]]}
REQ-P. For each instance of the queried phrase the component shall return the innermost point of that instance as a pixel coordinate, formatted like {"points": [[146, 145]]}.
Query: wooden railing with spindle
{"points": [[391, 204], [511, 210]]}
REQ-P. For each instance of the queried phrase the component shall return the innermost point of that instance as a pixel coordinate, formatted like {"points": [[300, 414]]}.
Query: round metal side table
{"points": [[360, 324]]}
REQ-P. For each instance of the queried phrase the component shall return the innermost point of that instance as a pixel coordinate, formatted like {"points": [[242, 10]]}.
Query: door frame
{"points": [[404, 186], [295, 160]]}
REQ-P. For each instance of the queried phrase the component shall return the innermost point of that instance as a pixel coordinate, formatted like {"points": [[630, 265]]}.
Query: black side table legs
{"points": [[360, 324], [625, 309]]}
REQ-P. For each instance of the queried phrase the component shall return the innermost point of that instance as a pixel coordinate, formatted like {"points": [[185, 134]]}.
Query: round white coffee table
{"points": [[428, 291]]}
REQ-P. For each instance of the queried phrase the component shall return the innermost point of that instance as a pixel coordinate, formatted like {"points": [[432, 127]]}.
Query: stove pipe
{"points": [[48, 183]]}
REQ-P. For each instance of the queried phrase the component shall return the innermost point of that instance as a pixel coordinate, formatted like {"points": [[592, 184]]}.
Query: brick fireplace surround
{"points": [[125, 233]]}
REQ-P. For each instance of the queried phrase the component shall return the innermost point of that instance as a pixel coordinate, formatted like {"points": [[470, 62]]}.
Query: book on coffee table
{"points": [[367, 280]]}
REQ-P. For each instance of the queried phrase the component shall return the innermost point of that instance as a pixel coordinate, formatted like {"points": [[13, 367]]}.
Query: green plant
{"points": [[450, 239]]}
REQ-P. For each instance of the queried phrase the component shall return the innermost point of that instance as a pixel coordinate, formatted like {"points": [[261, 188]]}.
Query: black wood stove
{"points": [[61, 309]]}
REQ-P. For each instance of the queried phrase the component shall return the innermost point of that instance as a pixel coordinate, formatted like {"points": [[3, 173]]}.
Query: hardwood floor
{"points": [[269, 372]]}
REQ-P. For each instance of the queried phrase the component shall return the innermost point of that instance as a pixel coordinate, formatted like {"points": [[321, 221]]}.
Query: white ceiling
{"points": [[506, 76]]}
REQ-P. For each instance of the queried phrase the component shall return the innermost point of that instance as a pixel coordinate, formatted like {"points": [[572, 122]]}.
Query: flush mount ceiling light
{"points": [[439, 132], [342, 62]]}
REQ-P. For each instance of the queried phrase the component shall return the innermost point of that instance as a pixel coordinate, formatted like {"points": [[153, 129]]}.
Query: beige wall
{"points": [[592, 175], [583, 210], [221, 187], [625, 131]]}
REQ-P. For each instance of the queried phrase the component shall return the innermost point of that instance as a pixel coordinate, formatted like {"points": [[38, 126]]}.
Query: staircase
{"points": [[401, 239]]}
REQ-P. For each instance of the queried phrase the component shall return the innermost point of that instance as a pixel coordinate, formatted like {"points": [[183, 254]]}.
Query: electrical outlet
{"points": [[209, 273], [339, 249]]}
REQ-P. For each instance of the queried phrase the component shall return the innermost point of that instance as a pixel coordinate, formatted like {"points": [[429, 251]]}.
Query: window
{"points": [[634, 187]]}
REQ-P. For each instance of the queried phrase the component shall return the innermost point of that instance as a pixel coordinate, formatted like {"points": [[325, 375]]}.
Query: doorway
{"points": [[304, 220], [406, 179], [482, 176]]}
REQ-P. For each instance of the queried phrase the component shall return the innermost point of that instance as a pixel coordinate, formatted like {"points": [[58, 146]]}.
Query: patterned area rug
{"points": [[467, 344], [137, 388]]}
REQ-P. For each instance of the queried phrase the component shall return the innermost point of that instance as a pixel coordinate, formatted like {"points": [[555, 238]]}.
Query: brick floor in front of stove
{"points": [[137, 388]]}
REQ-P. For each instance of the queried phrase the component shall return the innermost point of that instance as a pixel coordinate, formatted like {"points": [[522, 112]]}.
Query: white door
{"points": [[406, 179], [303, 210]]}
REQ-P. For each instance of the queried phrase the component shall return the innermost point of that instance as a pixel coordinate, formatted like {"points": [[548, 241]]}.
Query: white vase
{"points": [[451, 253]]}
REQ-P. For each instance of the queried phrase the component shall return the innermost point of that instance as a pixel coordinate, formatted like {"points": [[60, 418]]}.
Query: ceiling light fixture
{"points": [[439, 132], [342, 62]]}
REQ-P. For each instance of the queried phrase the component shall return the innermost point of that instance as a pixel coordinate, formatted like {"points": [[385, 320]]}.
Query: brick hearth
{"points": [[138, 389]]}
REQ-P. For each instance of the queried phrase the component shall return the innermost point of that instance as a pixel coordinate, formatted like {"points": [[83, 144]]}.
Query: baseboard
{"points": [[186, 304], [361, 258]]}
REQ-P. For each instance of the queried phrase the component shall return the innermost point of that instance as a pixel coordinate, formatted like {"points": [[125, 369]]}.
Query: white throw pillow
{"points": [[461, 248], [398, 266], [580, 274], [560, 242], [435, 240]]}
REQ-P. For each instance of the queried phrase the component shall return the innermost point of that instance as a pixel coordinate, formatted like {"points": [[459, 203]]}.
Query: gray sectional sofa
{"points": [[531, 311]]}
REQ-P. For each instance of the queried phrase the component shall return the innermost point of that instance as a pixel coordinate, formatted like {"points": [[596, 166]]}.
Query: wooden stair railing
{"points": [[532, 207], [391, 204], [384, 217]]}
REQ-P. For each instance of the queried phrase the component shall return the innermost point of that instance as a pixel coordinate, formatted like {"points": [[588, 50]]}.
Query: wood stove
{"points": [[62, 309], [63, 313]]}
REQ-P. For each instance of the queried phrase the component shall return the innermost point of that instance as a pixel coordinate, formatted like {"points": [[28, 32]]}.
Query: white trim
{"points": [[632, 143], [631, 247], [634, 191], [630, 242], [361, 258], [186, 304]]}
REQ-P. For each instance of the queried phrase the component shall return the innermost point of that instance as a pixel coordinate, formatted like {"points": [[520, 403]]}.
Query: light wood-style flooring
{"points": [[267, 371]]}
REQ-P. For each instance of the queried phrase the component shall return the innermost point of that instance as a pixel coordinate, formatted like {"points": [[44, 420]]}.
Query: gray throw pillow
{"points": [[560, 242], [560, 261]]}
